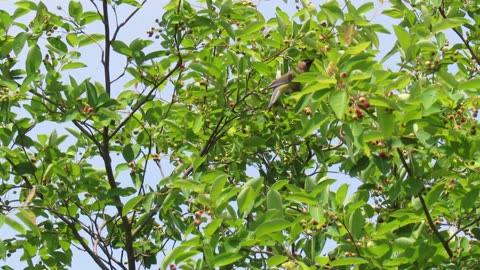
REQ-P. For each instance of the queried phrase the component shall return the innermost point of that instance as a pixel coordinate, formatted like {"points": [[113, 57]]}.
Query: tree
{"points": [[181, 165]]}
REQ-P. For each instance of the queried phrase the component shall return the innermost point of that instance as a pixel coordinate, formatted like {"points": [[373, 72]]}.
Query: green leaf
{"points": [[433, 195], [148, 202], [72, 39], [357, 75], [57, 45], [139, 44], [276, 260], [396, 261], [122, 48], [6, 47], [447, 78], [245, 200], [198, 161], [333, 11], [253, 27], [384, 102], [75, 9], [403, 37], [341, 194], [188, 185], [88, 17], [353, 50], [8, 83], [317, 213], [133, 202], [15, 225], [271, 226], [229, 29], [73, 65], [19, 42], [24, 168], [386, 121], [282, 19], [469, 199], [274, 201], [338, 102], [206, 68], [356, 222], [322, 261], [427, 45], [473, 84], [28, 218], [173, 254], [197, 124], [302, 197], [226, 259], [84, 40], [429, 97], [348, 261], [379, 250], [217, 188], [450, 23], [317, 85], [3, 250], [400, 82], [130, 152], [393, 13], [120, 168], [28, 5], [5, 20], [212, 227], [404, 242], [365, 7], [91, 93], [34, 58]]}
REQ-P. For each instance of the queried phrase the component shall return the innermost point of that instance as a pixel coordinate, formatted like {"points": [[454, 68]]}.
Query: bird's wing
{"points": [[286, 78]]}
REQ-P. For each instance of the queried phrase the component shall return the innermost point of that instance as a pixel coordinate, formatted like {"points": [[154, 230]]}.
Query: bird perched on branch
{"points": [[285, 83]]}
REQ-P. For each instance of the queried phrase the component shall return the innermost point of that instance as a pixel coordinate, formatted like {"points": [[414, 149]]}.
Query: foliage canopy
{"points": [[174, 162]]}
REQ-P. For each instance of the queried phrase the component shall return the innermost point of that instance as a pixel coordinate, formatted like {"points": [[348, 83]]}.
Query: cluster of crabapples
{"points": [[247, 3], [5, 93], [450, 184], [377, 193], [459, 117], [307, 111], [312, 225], [153, 30], [198, 217], [51, 30], [132, 164], [357, 108], [87, 109], [432, 64]]}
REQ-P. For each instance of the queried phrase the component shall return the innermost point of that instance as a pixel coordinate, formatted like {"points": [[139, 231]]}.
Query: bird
{"points": [[285, 82]]}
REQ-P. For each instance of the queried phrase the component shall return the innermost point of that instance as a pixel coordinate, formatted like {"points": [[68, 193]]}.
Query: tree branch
{"points": [[106, 58], [463, 228], [441, 9], [425, 209], [77, 235]]}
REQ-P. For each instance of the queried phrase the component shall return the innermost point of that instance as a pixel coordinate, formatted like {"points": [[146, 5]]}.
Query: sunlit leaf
{"points": [[272, 226], [338, 101], [34, 58]]}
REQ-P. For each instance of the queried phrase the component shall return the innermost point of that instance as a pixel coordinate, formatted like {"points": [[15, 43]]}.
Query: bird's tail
{"points": [[275, 95]]}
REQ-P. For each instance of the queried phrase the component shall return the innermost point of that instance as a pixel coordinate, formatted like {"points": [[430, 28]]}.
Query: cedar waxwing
{"points": [[284, 84]]}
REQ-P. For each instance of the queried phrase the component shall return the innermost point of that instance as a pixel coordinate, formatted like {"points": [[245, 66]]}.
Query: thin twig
{"points": [[463, 228]]}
